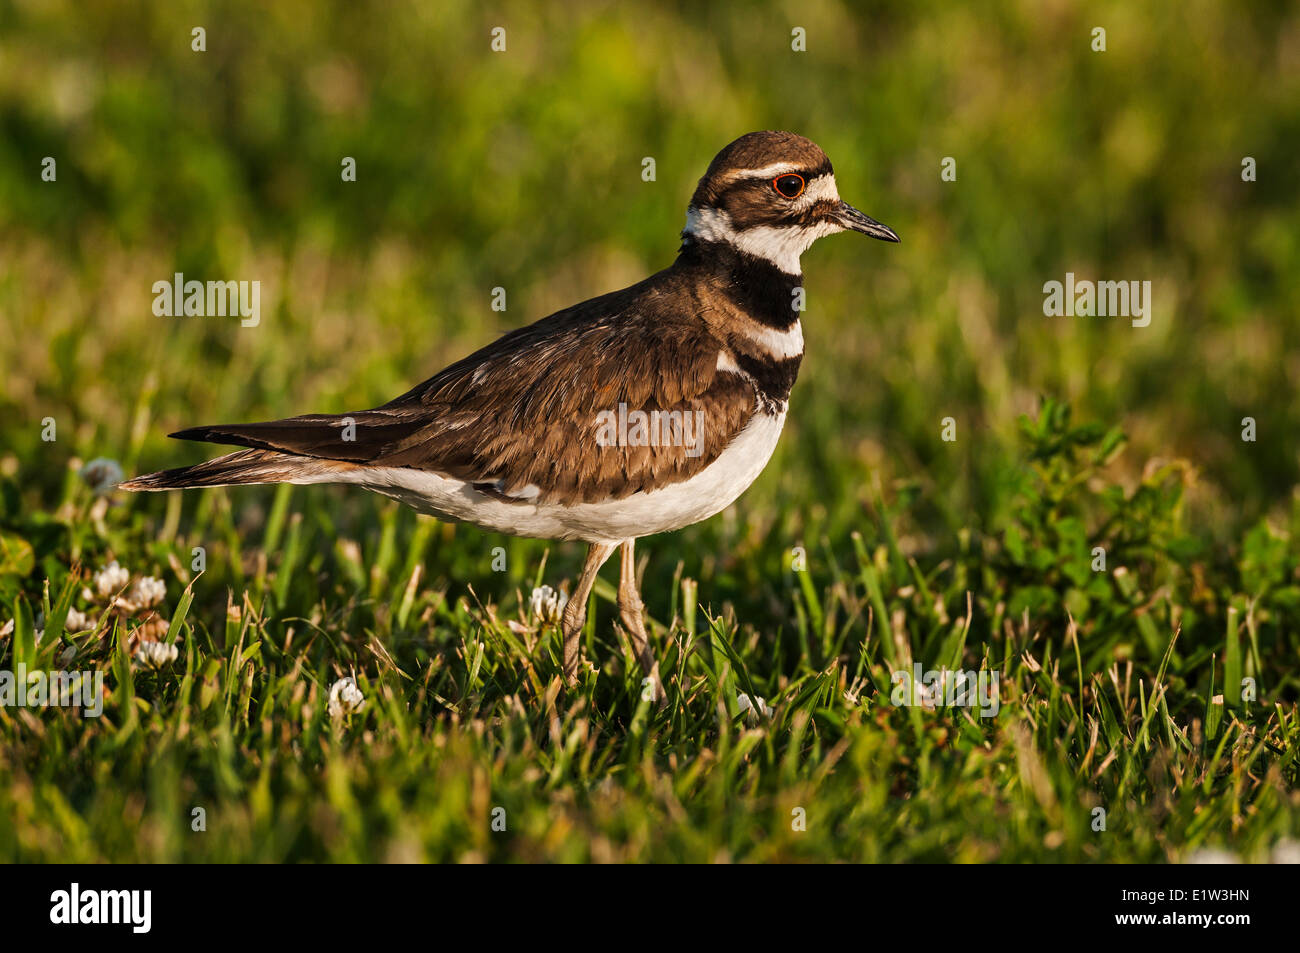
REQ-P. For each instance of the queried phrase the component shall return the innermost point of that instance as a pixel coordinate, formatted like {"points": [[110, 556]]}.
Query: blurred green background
{"points": [[522, 169]]}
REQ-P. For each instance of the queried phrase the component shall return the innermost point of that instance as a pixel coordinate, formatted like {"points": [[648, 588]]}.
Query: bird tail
{"points": [[314, 448], [240, 468]]}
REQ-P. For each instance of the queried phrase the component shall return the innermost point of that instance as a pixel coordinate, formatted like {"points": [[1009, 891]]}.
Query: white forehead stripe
{"points": [[821, 186], [766, 172]]}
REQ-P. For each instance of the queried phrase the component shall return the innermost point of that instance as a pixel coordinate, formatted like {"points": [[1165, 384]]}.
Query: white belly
{"points": [[642, 514]]}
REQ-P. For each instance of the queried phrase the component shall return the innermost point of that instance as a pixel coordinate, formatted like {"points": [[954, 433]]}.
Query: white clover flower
{"points": [[77, 621], [929, 694], [1285, 851], [345, 697], [110, 580], [102, 474], [155, 654], [753, 709], [547, 605], [1211, 855], [148, 591]]}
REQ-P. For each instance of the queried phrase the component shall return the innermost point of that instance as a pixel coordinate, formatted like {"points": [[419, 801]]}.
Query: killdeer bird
{"points": [[637, 412]]}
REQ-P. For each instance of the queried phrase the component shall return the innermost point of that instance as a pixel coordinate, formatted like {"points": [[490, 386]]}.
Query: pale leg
{"points": [[575, 613], [631, 610]]}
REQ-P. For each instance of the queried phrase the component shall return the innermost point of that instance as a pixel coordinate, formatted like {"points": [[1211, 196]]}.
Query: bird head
{"points": [[771, 195]]}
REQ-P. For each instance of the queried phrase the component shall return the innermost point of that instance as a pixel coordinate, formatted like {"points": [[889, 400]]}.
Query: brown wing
{"points": [[529, 417]]}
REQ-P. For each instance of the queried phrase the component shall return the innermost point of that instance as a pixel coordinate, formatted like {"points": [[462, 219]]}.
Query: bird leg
{"points": [[575, 612], [631, 610]]}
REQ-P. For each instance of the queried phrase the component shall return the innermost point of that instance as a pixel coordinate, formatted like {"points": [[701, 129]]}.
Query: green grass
{"points": [[1124, 708], [868, 543]]}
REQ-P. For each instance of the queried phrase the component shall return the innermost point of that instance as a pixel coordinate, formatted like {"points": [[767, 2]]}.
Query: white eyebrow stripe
{"points": [[769, 171], [774, 170], [819, 189]]}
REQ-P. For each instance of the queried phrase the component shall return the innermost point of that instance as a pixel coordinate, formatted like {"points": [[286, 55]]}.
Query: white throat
{"points": [[782, 245]]}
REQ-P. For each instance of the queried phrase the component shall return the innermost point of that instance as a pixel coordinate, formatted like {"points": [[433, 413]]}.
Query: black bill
{"points": [[850, 217]]}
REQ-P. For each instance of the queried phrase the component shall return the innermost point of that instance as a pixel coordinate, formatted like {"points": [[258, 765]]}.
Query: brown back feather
{"points": [[523, 412]]}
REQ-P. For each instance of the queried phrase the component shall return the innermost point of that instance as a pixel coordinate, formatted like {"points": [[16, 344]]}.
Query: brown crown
{"points": [[757, 150]]}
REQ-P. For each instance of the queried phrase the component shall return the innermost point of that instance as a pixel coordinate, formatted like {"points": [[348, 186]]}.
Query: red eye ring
{"points": [[785, 178]]}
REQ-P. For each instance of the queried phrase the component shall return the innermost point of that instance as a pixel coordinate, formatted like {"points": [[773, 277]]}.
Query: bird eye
{"points": [[789, 185]]}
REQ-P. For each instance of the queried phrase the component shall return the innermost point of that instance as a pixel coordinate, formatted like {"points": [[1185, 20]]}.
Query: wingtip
{"points": [[134, 486]]}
